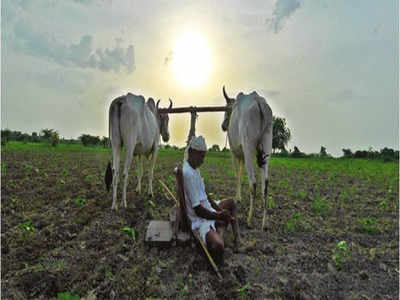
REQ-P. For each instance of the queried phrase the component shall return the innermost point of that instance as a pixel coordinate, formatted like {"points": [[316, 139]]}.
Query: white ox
{"points": [[137, 126], [249, 124]]}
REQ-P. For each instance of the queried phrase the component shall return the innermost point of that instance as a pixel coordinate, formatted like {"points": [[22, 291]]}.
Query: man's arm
{"points": [[202, 212], [205, 213], [213, 203]]}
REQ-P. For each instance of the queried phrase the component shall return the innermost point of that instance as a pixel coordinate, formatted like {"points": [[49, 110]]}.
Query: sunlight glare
{"points": [[191, 61]]}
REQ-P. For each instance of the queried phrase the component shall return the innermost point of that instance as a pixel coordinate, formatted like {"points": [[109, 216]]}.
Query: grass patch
{"points": [[368, 225], [293, 223], [67, 296], [320, 205]]}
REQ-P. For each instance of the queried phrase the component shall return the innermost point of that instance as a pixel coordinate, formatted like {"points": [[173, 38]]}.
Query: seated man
{"points": [[207, 216]]}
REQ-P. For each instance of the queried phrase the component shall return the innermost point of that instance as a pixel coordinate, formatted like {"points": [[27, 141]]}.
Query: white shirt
{"points": [[195, 194]]}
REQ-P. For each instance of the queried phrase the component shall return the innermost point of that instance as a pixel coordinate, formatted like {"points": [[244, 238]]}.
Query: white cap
{"points": [[198, 143]]}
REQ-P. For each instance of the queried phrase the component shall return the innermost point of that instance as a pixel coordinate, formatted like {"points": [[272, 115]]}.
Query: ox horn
{"points": [[170, 103], [228, 100], [158, 102]]}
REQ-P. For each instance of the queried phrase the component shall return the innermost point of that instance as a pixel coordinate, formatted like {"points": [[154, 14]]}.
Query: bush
{"points": [[214, 148], [347, 153], [5, 136], [322, 152], [297, 153], [51, 136], [89, 140]]}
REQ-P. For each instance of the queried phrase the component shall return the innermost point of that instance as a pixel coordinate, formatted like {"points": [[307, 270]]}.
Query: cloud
{"points": [[30, 41], [283, 10], [270, 93]]}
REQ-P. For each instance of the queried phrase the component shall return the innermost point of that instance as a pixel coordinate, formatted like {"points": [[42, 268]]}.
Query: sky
{"points": [[330, 68]]}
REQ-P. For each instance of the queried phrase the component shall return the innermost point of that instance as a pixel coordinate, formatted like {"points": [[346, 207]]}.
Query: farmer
{"points": [[206, 215]]}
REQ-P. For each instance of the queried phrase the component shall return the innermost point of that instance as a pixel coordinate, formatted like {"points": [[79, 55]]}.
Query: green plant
{"points": [[27, 225], [302, 194], [320, 205], [14, 200], [107, 272], [243, 291], [67, 296], [80, 201], [293, 222], [340, 254], [3, 168], [270, 202], [130, 232], [383, 205], [64, 172], [368, 225]]}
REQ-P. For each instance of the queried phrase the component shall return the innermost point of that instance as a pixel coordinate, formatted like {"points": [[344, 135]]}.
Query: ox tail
{"points": [[266, 122], [108, 177], [114, 133]]}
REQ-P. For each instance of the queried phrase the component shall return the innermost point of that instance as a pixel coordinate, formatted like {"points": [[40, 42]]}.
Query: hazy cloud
{"points": [[270, 93], [283, 10], [82, 54]]}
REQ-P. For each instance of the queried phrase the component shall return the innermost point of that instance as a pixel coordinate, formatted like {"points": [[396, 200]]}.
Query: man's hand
{"points": [[224, 215]]}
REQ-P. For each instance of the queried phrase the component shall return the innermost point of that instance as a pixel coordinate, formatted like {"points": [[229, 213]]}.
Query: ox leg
{"points": [[116, 149], [267, 149], [248, 159], [128, 161], [238, 166], [264, 189], [140, 174], [153, 163]]}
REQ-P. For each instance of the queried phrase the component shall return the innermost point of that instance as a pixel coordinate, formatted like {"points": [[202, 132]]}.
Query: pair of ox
{"points": [[248, 121]]}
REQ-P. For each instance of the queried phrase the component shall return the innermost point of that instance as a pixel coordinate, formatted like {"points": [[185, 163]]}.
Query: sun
{"points": [[191, 59]]}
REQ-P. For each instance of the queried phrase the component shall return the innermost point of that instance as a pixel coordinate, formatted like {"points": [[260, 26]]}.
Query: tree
{"points": [[388, 154], [322, 152], [281, 134], [214, 148], [51, 136], [297, 153], [105, 141], [89, 140], [25, 138], [5, 136], [35, 137], [347, 153], [361, 154]]}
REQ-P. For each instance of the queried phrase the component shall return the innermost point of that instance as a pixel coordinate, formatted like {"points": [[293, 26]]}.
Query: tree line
{"points": [[280, 139], [52, 137]]}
